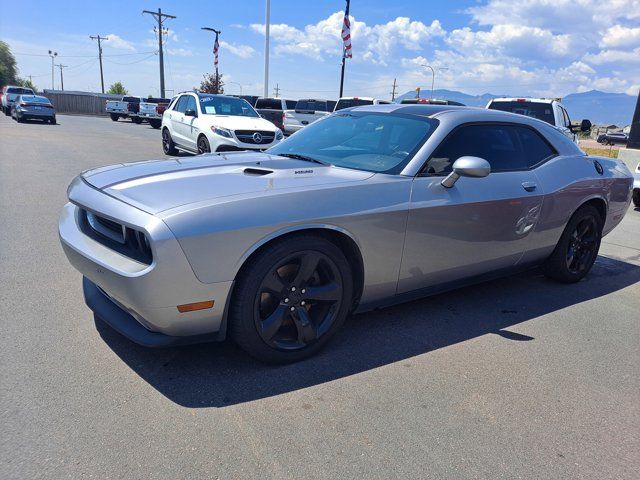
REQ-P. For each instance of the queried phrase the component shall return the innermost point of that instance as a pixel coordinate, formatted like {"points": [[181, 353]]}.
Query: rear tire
{"points": [[114, 116], [168, 147], [291, 299], [636, 198], [577, 248]]}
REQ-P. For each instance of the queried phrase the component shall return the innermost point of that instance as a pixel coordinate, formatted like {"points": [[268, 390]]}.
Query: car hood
{"points": [[236, 122], [160, 185]]}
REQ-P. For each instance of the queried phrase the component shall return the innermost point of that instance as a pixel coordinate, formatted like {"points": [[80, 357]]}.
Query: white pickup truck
{"points": [[120, 108], [148, 110], [306, 111], [549, 110]]}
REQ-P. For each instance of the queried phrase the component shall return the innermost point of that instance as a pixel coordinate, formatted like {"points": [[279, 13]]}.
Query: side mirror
{"points": [[585, 125], [190, 113], [474, 167]]}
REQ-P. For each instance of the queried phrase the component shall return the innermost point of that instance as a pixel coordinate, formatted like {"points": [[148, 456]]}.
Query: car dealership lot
{"points": [[516, 378]]}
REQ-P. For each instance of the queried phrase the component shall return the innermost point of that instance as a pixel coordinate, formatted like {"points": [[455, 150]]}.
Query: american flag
{"points": [[346, 36], [216, 47]]}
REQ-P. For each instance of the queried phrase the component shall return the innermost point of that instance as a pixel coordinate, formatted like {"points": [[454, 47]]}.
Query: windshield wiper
{"points": [[297, 156]]}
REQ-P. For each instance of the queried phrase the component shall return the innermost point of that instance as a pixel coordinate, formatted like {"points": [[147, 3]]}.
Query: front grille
{"points": [[116, 236], [247, 136]]}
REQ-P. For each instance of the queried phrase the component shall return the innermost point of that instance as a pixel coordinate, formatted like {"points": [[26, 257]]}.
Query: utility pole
{"points": [[216, 46], [344, 50], [53, 55], [266, 47], [276, 90], [99, 38], [393, 91], [61, 77], [160, 17]]}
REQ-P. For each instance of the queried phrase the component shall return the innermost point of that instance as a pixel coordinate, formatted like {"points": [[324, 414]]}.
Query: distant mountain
{"points": [[599, 107]]}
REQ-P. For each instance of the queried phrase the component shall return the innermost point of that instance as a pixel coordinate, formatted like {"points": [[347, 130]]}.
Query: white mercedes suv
{"points": [[202, 122]]}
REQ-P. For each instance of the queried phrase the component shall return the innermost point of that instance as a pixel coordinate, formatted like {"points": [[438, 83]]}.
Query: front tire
{"points": [[155, 123], [136, 120], [168, 147], [203, 145], [577, 248], [636, 198], [291, 298]]}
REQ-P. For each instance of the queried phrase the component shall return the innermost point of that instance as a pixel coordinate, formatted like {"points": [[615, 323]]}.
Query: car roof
{"points": [[525, 99]]}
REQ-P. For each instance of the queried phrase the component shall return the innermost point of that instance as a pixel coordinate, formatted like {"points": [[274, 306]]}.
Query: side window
{"points": [[181, 104], [291, 104], [191, 104], [536, 149], [497, 144]]}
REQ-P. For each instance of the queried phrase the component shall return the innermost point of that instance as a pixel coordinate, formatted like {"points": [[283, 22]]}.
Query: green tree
{"points": [[8, 69], [210, 85], [25, 82], [117, 89]]}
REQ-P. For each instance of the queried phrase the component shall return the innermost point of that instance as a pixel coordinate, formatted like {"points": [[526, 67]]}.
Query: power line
{"points": [[135, 61], [160, 17], [83, 56]]}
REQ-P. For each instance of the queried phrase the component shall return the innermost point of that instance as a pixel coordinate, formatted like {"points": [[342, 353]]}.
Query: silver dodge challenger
{"points": [[365, 208]]}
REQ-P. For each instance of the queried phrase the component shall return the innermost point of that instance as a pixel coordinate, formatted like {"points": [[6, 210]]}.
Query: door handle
{"points": [[529, 186]]}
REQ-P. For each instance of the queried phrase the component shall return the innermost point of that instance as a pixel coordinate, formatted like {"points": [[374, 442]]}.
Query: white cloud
{"points": [[179, 52], [242, 51], [633, 90], [115, 41], [614, 56], [373, 43], [619, 36]]}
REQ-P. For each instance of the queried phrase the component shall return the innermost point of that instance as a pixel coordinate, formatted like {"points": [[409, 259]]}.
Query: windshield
{"points": [[227, 106], [541, 111], [352, 102], [375, 142], [19, 90]]}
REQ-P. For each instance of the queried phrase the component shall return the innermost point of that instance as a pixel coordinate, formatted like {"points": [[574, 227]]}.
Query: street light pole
{"points": [[266, 48], [215, 54], [433, 75], [236, 83], [53, 55]]}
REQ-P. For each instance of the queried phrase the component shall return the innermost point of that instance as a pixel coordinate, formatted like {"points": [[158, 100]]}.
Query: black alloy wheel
{"points": [[291, 298], [582, 246], [203, 145], [168, 146], [577, 248], [298, 301]]}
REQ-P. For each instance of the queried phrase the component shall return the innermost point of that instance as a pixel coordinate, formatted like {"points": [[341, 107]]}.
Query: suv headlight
{"points": [[279, 134], [223, 132]]}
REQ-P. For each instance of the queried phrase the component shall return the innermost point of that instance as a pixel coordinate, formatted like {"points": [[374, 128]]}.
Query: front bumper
{"points": [[148, 293]]}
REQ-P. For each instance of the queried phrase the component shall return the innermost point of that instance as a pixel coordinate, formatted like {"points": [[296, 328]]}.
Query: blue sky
{"points": [[515, 47]]}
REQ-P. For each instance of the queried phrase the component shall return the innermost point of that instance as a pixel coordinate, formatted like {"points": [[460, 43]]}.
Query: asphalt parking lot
{"points": [[516, 378]]}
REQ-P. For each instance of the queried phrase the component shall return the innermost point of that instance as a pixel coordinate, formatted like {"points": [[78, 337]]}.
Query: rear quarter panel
{"points": [[570, 181]]}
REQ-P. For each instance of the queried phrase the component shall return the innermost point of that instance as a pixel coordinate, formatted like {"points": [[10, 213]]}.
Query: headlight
{"points": [[279, 134], [223, 132]]}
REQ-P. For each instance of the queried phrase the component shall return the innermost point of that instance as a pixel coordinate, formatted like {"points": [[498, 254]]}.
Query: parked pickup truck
{"points": [[148, 110], [273, 109], [120, 108], [307, 111], [548, 110], [348, 102]]}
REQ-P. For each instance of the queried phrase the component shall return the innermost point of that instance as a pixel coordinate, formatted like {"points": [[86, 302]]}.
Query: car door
{"points": [[479, 225], [176, 118], [189, 124]]}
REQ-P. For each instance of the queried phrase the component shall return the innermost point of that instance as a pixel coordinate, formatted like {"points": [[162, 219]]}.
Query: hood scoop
{"points": [[256, 172]]}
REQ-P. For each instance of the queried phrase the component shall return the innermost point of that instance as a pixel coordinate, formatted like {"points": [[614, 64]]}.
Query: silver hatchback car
{"points": [[367, 207]]}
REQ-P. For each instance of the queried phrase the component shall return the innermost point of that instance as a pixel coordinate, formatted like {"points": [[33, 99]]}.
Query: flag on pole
{"points": [[216, 47], [346, 36]]}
